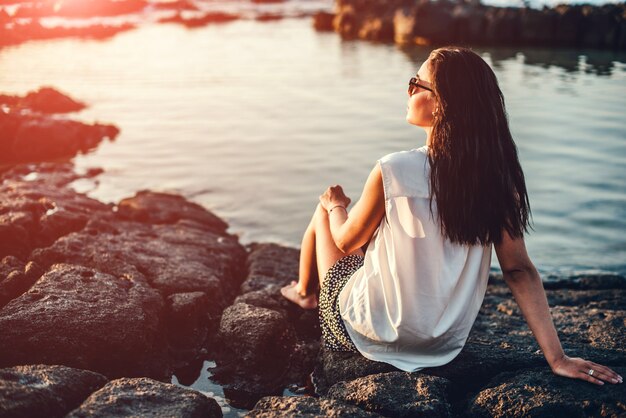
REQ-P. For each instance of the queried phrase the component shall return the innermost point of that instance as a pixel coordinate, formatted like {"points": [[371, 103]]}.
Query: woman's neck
{"points": [[429, 130]]}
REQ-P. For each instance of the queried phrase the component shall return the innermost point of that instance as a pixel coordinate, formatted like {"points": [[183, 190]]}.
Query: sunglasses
{"points": [[414, 83]]}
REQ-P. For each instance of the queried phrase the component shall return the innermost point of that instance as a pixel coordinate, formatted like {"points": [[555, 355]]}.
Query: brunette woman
{"points": [[429, 218]]}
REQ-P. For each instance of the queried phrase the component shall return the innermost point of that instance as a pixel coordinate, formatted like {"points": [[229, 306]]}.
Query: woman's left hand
{"points": [[334, 196]]}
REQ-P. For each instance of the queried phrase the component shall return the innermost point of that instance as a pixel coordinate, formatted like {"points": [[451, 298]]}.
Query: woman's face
{"points": [[422, 103]]}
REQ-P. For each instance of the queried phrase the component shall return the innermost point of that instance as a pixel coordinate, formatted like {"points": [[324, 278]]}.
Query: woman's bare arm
{"points": [[352, 232], [525, 283]]}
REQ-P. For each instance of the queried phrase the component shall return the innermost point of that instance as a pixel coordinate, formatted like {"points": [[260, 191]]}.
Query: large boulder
{"points": [[43, 390], [146, 397], [539, 393], [182, 255], [81, 317], [253, 358], [397, 394]]}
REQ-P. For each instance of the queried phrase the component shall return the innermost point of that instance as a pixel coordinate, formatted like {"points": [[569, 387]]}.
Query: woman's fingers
{"points": [[606, 372], [585, 376]]}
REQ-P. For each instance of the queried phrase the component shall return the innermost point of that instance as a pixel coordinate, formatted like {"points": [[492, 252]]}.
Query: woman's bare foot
{"points": [[291, 293]]}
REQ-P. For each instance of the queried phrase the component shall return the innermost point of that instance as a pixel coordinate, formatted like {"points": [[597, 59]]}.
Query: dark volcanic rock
{"points": [[44, 100], [16, 277], [270, 264], [80, 317], [255, 346], [184, 256], [439, 23], [36, 137], [162, 208], [42, 390], [276, 406], [396, 394], [539, 393], [188, 319], [36, 207], [323, 21], [334, 366], [146, 397]]}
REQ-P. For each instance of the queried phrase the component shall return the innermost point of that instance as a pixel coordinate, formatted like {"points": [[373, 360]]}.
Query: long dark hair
{"points": [[476, 179]]}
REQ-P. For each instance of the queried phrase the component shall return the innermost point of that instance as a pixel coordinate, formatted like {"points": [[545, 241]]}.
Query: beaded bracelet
{"points": [[335, 207]]}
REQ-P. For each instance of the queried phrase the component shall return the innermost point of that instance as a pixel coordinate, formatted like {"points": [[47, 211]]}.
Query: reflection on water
{"points": [[254, 120]]}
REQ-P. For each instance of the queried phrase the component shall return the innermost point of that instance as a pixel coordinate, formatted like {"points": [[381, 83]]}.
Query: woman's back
{"points": [[415, 299]]}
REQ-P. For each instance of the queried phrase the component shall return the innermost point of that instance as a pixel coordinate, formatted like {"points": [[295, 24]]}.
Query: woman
{"points": [[429, 218]]}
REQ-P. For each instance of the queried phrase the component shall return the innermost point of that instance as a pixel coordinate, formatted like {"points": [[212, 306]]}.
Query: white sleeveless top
{"points": [[415, 299]]}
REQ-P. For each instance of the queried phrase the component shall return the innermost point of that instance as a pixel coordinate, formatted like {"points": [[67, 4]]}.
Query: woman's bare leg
{"points": [[318, 253], [327, 253]]}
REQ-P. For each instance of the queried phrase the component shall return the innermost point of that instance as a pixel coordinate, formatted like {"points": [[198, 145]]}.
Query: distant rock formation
{"points": [[424, 22]]}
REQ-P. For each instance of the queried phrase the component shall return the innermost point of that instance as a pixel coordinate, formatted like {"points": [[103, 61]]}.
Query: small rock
{"points": [[396, 394], [146, 397], [42, 390]]}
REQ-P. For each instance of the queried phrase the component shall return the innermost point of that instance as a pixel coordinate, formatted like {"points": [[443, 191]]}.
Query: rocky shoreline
{"points": [[101, 303], [423, 22]]}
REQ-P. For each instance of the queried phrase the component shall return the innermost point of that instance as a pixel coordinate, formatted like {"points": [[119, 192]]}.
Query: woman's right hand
{"points": [[578, 368]]}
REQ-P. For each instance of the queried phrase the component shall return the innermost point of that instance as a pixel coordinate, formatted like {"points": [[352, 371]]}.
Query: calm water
{"points": [[254, 120]]}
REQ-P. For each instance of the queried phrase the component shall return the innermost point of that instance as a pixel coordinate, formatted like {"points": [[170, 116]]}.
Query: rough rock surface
{"points": [[146, 397], [501, 342], [539, 393], [396, 394], [80, 317], [267, 342], [255, 346], [42, 390], [276, 406], [151, 246]]}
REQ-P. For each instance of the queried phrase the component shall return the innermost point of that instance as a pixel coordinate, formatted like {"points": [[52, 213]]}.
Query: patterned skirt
{"points": [[334, 334]]}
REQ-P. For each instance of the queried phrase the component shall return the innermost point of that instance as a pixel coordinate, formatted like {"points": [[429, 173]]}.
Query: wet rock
{"points": [[16, 277], [334, 366], [396, 394], [174, 5], [255, 346], [587, 282], [80, 317], [188, 319], [49, 100], [42, 390], [162, 208], [426, 23], [323, 21], [36, 137], [38, 208], [19, 32], [540, 393], [276, 406], [203, 20], [184, 256], [44, 100], [270, 264], [146, 397]]}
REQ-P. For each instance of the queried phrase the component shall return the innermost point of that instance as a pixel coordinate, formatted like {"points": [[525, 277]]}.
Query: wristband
{"points": [[335, 207]]}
